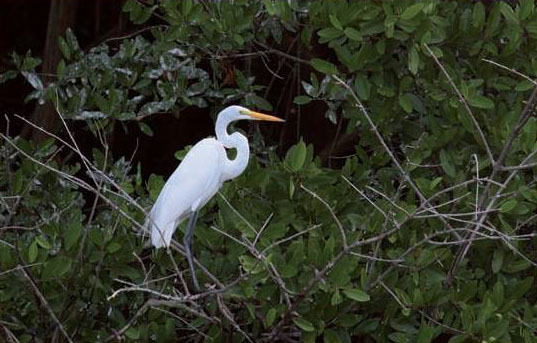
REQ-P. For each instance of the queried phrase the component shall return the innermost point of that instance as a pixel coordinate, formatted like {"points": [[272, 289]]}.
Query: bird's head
{"points": [[241, 113]]}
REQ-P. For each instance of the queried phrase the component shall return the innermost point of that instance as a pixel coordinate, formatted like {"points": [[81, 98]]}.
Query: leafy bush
{"points": [[424, 234]]}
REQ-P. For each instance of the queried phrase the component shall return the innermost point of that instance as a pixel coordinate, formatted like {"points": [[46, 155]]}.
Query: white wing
{"points": [[192, 185]]}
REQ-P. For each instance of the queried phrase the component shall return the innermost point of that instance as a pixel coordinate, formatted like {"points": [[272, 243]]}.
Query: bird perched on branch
{"points": [[197, 179]]}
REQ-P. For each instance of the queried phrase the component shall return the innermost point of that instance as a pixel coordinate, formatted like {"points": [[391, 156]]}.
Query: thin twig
{"points": [[510, 70], [45, 304], [464, 103], [332, 213]]}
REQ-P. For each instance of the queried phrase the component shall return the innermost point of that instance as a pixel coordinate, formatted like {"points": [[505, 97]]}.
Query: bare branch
{"points": [[464, 103], [332, 213], [45, 304], [511, 70]]}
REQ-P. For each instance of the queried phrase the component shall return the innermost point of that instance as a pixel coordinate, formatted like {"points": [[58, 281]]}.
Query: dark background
{"points": [[34, 25]]}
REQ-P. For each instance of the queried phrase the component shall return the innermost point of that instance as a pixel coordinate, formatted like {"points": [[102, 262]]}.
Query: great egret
{"points": [[197, 179]]}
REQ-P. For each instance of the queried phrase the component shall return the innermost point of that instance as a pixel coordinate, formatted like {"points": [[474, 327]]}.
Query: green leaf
{"points": [[447, 163], [436, 51], [526, 8], [291, 188], [64, 48], [497, 260], [302, 99], [521, 287], [335, 22], [412, 11], [331, 336], [71, 235], [71, 40], [508, 205], [481, 101], [405, 103], [186, 7], [524, 85], [32, 252], [413, 60], [425, 334], [145, 129], [154, 184], [43, 243], [362, 86], [269, 5], [478, 16], [113, 247], [303, 324], [458, 339], [305, 35], [238, 39], [508, 13], [498, 293], [143, 15], [270, 317], [296, 156], [323, 66], [260, 102], [329, 34], [133, 333], [8, 75], [180, 154], [56, 267], [17, 182], [336, 298], [356, 294], [353, 34]]}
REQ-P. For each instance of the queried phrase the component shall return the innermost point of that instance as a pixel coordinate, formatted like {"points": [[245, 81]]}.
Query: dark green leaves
{"points": [[280, 247], [356, 294], [446, 161], [413, 60], [296, 156], [508, 13], [270, 317], [497, 260], [145, 129], [56, 267], [323, 66], [481, 101], [32, 252], [64, 48], [329, 34], [334, 20], [43, 242], [304, 324], [302, 99], [138, 13], [405, 103], [362, 86], [411, 11], [508, 205], [72, 234], [353, 34], [478, 16]]}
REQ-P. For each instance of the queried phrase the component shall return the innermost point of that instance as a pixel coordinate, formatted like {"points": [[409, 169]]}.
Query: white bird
{"points": [[197, 179]]}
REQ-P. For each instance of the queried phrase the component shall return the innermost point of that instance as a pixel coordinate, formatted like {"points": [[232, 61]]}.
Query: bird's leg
{"points": [[187, 241]]}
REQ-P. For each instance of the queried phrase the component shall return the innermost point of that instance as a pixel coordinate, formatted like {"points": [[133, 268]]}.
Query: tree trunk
{"points": [[62, 14]]}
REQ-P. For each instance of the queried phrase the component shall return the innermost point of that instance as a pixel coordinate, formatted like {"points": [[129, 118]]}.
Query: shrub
{"points": [[424, 234]]}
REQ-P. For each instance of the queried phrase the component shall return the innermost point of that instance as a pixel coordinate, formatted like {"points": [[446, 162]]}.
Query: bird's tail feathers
{"points": [[161, 236]]}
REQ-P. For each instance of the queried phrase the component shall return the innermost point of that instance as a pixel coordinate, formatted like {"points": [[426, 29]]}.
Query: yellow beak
{"points": [[261, 116]]}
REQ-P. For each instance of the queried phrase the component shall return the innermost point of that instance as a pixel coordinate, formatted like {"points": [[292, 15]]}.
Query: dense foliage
{"points": [[426, 233]]}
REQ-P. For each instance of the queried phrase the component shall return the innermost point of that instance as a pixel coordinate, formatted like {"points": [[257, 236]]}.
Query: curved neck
{"points": [[235, 167]]}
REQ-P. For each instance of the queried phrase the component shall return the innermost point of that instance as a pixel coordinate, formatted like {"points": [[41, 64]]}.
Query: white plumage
{"points": [[191, 186], [202, 172]]}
